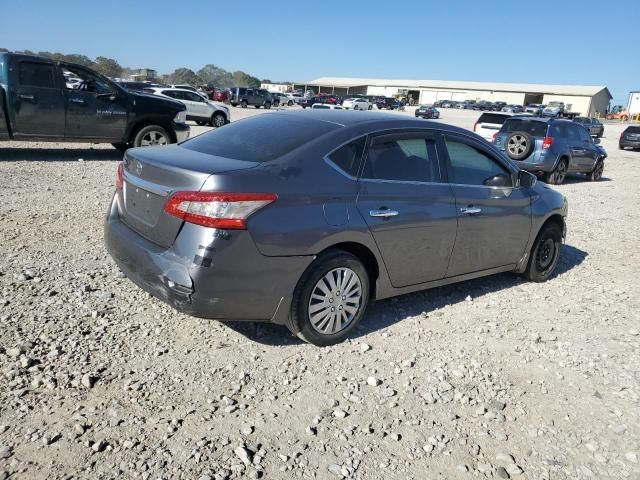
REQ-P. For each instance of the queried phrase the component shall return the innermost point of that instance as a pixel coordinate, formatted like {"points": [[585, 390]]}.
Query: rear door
{"points": [[37, 100], [493, 221], [408, 207], [591, 152]]}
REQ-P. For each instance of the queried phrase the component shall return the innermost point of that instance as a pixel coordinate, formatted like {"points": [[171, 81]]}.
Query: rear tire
{"points": [[267, 105], [243, 104], [321, 313], [595, 175], [544, 254], [558, 175], [151, 135], [289, 103]]}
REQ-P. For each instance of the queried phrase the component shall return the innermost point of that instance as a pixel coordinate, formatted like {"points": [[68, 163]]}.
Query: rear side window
{"points": [[402, 158], [259, 139], [537, 129], [492, 118], [347, 157], [37, 74], [470, 166]]}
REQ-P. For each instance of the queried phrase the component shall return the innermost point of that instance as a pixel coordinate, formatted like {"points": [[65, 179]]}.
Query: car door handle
{"points": [[77, 100], [27, 97], [470, 210], [383, 213]]}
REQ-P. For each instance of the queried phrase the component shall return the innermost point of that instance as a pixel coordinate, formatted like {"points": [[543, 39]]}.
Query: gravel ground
{"points": [[492, 378]]}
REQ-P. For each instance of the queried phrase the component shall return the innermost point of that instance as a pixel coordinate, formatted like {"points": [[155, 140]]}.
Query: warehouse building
{"points": [[586, 100]]}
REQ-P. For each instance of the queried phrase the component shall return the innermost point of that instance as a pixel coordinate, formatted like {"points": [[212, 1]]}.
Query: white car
{"points": [[200, 110], [283, 98], [490, 123], [193, 89], [357, 104], [326, 106]]}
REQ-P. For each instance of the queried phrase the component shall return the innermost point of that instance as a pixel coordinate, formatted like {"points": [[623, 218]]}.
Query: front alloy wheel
{"points": [[330, 298], [218, 120]]}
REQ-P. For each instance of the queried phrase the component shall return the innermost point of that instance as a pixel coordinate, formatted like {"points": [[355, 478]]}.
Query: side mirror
{"points": [[526, 179], [596, 141], [500, 180]]}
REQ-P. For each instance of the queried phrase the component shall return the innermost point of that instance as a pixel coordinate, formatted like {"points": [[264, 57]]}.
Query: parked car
{"points": [[552, 147], [219, 95], [593, 125], [326, 106], [534, 108], [427, 111], [512, 109], [483, 105], [286, 98], [250, 96], [378, 206], [278, 98], [200, 110], [310, 101], [357, 104], [193, 89], [35, 104], [448, 104], [466, 105], [489, 123], [630, 137], [498, 106]]}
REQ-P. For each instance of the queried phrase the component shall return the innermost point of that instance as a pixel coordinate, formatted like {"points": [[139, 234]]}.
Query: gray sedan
{"points": [[302, 218]]}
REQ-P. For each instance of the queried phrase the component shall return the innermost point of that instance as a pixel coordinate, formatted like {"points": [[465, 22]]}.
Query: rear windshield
{"points": [[259, 139], [492, 118], [535, 128], [633, 130]]}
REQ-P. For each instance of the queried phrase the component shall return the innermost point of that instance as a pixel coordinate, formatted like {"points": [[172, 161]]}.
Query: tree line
{"points": [[210, 74]]}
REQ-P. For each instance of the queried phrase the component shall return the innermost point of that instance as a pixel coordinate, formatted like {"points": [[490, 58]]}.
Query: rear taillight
{"points": [[474, 126], [547, 142], [494, 136], [120, 177], [215, 209]]}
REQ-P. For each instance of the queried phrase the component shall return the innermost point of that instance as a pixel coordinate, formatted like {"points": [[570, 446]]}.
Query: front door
{"points": [[409, 209], [38, 102], [494, 217], [197, 106], [96, 109]]}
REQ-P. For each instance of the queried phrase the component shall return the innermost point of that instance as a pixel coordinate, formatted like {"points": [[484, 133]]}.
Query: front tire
{"points": [[330, 299], [289, 103], [151, 135], [544, 254], [218, 120], [596, 174]]}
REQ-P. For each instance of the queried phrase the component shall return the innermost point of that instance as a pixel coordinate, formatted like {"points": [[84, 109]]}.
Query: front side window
{"points": [[36, 74], [89, 81], [470, 166], [347, 157], [407, 157]]}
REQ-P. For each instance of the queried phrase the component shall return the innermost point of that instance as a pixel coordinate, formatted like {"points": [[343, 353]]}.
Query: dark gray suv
{"points": [[301, 218], [551, 147]]}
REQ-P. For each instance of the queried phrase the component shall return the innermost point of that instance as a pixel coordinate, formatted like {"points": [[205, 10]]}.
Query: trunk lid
{"points": [[152, 174]]}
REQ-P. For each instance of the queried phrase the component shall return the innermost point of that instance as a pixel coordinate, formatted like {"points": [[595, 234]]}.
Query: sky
{"points": [[585, 42]]}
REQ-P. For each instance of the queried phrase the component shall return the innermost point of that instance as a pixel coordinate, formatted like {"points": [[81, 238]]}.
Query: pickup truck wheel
{"points": [[121, 146], [151, 135], [596, 174], [558, 175], [218, 120], [289, 103], [267, 105], [370, 107], [544, 254], [330, 299], [243, 104]]}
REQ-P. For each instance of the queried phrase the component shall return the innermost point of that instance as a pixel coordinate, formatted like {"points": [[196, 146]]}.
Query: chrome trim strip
{"points": [[146, 185]]}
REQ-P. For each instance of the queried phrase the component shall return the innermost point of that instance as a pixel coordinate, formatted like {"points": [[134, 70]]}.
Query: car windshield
{"points": [[533, 127], [259, 139], [495, 118], [633, 130]]}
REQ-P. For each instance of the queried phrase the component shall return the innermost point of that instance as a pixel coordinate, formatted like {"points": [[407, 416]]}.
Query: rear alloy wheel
{"points": [[243, 104], [596, 174], [545, 253], [330, 299], [519, 145], [150, 136], [558, 175], [218, 120]]}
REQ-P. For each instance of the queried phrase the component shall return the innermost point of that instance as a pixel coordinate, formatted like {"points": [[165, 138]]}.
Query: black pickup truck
{"points": [[46, 100]]}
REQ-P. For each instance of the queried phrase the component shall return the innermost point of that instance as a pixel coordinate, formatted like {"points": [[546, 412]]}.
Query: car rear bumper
{"points": [[182, 131], [629, 143], [208, 273]]}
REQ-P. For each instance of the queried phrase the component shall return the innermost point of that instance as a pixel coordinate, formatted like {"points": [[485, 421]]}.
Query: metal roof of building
{"points": [[343, 82]]}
